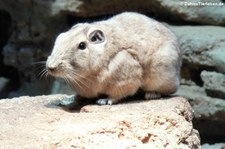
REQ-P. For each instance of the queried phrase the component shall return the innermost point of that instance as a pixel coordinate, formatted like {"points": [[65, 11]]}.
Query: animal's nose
{"points": [[53, 65], [51, 68]]}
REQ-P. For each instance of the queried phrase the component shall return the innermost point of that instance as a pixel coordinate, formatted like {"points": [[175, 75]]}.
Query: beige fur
{"points": [[132, 52]]}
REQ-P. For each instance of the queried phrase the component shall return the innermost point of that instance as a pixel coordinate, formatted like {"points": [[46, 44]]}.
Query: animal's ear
{"points": [[96, 36]]}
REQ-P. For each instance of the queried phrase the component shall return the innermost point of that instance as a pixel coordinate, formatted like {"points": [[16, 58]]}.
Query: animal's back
{"points": [[140, 33], [155, 46]]}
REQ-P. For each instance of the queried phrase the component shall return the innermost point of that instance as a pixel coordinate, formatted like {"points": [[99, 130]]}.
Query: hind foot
{"points": [[104, 101], [152, 95]]}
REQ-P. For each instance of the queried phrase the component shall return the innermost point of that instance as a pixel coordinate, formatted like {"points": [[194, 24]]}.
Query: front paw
{"points": [[104, 101], [152, 95]]}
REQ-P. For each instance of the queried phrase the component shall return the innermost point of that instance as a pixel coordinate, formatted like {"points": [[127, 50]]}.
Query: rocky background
{"points": [[28, 29]]}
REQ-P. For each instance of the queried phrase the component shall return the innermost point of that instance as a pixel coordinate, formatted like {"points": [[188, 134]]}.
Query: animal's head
{"points": [[77, 51]]}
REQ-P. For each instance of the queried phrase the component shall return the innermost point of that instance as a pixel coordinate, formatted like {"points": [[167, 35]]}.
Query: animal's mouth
{"points": [[54, 67], [55, 74], [55, 71]]}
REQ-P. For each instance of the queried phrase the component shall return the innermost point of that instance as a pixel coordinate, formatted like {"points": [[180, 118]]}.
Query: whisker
{"points": [[39, 62], [47, 76], [39, 67], [68, 82], [70, 79], [77, 74], [43, 74], [40, 76], [82, 82]]}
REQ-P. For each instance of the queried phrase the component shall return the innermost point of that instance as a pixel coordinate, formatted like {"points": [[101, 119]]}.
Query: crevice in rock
{"points": [[6, 71], [146, 138], [72, 20], [190, 71], [210, 131]]}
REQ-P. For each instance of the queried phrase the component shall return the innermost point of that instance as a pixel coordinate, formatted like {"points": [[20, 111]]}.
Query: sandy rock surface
{"points": [[36, 122]]}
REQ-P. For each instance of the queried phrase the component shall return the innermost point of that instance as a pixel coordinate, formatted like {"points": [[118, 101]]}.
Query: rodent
{"points": [[116, 57]]}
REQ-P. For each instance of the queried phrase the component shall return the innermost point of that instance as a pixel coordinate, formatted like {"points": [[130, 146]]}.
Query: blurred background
{"points": [[28, 29]]}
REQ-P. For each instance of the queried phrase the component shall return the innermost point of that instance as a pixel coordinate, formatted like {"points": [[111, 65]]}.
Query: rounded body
{"points": [[118, 56]]}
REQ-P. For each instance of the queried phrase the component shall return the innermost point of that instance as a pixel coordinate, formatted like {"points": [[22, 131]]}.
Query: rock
{"points": [[173, 8], [203, 13], [202, 48], [209, 113], [214, 84], [213, 146], [204, 107], [34, 122], [217, 57], [199, 45], [59, 86], [198, 41], [33, 30], [3, 85], [32, 87]]}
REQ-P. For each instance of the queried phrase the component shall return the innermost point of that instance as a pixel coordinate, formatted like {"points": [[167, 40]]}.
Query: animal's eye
{"points": [[82, 46]]}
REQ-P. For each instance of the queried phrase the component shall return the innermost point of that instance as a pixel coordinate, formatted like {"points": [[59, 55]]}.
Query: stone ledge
{"points": [[35, 122]]}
